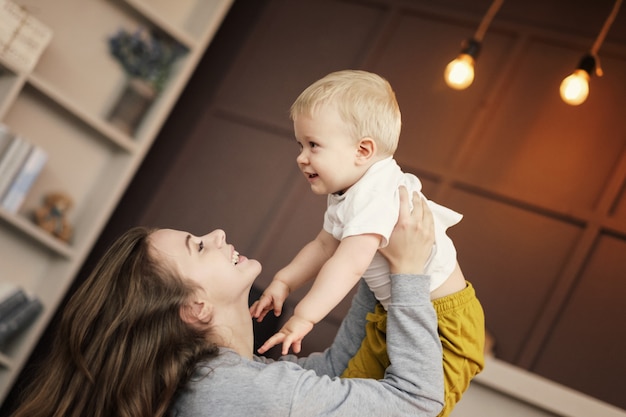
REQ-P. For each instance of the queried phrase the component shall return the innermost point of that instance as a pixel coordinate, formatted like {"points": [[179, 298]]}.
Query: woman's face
{"points": [[208, 261]]}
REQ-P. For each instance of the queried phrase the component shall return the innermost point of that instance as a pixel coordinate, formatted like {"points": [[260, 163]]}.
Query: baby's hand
{"points": [[272, 298], [290, 335]]}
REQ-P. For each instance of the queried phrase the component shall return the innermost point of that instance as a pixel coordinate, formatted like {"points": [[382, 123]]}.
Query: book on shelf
{"points": [[19, 310], [6, 137], [11, 296], [24, 179], [12, 160]]}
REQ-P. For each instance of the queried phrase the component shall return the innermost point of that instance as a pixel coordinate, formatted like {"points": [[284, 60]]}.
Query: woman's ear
{"points": [[195, 311], [366, 149]]}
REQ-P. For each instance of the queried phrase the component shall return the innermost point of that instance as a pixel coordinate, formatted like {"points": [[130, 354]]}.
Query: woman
{"points": [[162, 327]]}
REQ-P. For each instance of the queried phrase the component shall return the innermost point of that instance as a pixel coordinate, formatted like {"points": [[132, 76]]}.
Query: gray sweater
{"points": [[231, 386]]}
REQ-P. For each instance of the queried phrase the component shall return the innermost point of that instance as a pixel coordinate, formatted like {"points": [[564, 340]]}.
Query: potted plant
{"points": [[147, 59]]}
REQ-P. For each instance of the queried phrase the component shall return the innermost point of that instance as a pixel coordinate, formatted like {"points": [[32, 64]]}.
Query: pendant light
{"points": [[575, 87], [459, 73]]}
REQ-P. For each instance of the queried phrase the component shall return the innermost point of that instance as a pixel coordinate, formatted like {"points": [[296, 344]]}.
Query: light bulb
{"points": [[575, 87], [459, 74]]}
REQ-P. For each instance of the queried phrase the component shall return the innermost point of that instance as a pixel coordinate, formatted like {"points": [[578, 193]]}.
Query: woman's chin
{"points": [[252, 264]]}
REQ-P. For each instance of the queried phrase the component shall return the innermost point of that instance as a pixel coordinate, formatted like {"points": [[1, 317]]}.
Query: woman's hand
{"points": [[412, 239]]}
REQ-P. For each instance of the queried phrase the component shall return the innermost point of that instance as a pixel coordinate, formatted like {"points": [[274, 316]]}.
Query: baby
{"points": [[347, 125]]}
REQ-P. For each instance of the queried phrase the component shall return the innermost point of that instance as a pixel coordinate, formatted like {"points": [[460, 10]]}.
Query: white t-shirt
{"points": [[372, 206]]}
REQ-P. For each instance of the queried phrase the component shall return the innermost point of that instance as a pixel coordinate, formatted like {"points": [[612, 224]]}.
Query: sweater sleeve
{"points": [[413, 383]]}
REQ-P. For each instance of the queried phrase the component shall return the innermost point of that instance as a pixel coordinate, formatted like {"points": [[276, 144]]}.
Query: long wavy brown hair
{"points": [[122, 348]]}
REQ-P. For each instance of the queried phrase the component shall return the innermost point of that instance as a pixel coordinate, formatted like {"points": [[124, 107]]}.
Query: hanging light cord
{"points": [[605, 28], [484, 24]]}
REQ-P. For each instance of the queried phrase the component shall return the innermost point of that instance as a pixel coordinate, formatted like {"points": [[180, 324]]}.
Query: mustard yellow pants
{"points": [[461, 327]]}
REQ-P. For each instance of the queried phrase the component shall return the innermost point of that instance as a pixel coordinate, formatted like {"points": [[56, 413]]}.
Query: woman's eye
{"points": [[200, 246]]}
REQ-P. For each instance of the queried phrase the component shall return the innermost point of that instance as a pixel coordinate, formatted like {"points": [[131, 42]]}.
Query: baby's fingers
{"points": [[261, 306], [253, 309], [271, 342], [296, 345], [278, 308]]}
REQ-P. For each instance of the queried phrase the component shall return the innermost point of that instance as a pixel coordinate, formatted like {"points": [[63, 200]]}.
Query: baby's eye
{"points": [[200, 246], [313, 145]]}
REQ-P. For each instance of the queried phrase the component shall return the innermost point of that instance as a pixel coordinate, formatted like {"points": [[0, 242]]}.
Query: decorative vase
{"points": [[132, 105]]}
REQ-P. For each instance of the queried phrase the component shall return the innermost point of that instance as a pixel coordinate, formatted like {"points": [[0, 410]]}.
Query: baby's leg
{"points": [[461, 325]]}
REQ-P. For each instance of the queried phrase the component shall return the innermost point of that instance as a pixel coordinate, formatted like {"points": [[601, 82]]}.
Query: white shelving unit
{"points": [[62, 105]]}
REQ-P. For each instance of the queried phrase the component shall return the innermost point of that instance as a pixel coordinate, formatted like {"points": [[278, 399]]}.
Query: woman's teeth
{"points": [[235, 258]]}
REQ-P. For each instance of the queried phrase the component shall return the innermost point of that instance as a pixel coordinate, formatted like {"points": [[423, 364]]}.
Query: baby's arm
{"points": [[338, 275], [304, 266]]}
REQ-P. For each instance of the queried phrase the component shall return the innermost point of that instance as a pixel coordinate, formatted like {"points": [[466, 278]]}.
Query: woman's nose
{"points": [[217, 236]]}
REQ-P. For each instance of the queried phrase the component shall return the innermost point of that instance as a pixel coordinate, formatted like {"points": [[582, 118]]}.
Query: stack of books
{"points": [[21, 163], [17, 311]]}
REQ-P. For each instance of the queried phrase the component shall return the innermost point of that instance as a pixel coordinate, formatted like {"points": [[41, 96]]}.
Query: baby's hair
{"points": [[365, 101]]}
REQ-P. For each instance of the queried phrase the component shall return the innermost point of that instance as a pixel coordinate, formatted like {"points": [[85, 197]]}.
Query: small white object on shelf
{"points": [[23, 38]]}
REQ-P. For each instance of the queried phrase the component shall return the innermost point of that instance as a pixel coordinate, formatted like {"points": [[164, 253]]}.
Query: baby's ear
{"points": [[195, 311], [366, 149]]}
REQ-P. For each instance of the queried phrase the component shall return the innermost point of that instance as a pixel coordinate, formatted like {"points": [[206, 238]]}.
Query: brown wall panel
{"points": [[513, 257], [620, 208], [283, 58], [583, 349], [228, 176]]}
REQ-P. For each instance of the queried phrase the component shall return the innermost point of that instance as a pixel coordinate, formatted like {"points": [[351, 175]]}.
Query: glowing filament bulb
{"points": [[459, 73], [575, 88]]}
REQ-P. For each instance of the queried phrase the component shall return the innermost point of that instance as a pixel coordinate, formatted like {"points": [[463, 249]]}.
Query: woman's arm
{"points": [[413, 383]]}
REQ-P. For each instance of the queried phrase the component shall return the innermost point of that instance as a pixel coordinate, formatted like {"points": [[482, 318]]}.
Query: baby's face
{"points": [[328, 152]]}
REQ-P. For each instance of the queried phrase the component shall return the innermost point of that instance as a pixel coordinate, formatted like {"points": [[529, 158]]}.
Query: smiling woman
{"points": [[162, 326]]}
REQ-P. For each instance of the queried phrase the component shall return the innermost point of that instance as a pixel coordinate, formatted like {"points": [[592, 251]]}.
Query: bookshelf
{"points": [[62, 106]]}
